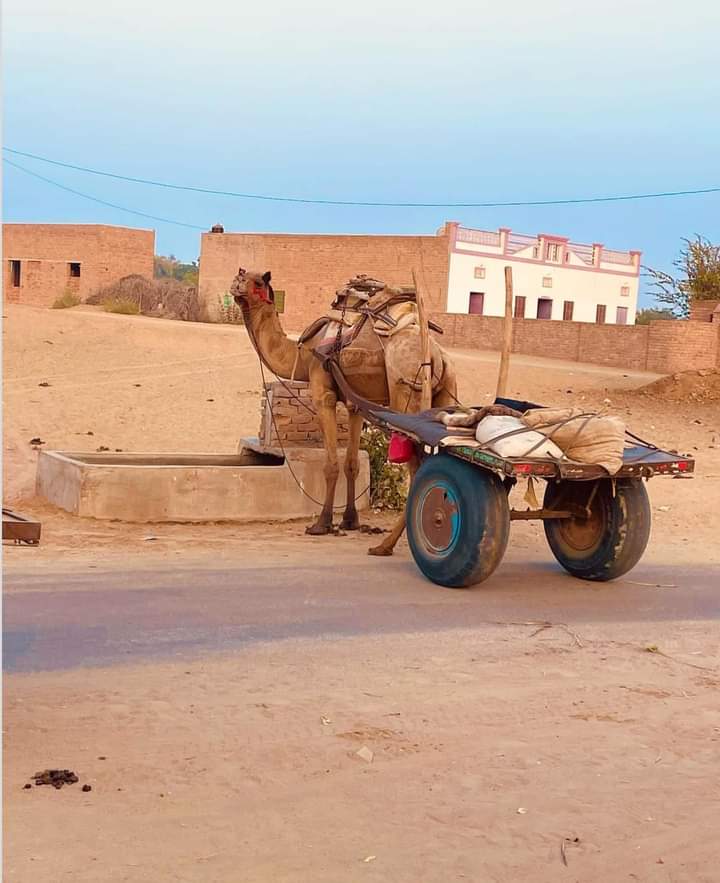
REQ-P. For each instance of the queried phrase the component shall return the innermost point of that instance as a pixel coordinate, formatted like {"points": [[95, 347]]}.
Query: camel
{"points": [[383, 371]]}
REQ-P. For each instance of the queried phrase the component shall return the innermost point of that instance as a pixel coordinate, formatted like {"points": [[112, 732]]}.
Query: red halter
{"points": [[262, 292]]}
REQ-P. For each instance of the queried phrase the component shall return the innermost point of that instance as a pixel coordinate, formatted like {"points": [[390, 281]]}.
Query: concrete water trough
{"points": [[256, 484]]}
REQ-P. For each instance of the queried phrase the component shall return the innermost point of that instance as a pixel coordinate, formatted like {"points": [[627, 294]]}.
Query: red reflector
{"points": [[534, 468], [401, 449]]}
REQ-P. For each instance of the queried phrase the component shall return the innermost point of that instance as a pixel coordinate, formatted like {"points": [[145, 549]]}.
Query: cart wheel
{"points": [[458, 521], [612, 539]]}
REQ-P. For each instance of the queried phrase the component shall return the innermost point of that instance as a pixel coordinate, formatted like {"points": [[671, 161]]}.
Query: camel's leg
{"points": [[387, 546], [444, 396], [402, 398], [325, 402], [350, 520]]}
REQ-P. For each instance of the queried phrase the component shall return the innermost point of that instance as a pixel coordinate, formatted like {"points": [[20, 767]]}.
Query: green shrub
{"points": [[126, 306], [67, 299], [388, 481]]}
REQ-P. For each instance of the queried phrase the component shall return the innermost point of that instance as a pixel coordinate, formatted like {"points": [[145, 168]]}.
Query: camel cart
{"points": [[458, 514]]}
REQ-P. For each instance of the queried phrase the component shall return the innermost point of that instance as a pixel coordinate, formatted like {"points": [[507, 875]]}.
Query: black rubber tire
{"points": [[478, 536], [612, 540]]}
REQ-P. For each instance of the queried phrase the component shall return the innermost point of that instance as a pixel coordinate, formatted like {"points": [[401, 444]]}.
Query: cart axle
{"points": [[544, 514]]}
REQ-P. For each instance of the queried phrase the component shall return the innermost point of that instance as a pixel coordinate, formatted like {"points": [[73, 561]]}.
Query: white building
{"points": [[553, 278]]}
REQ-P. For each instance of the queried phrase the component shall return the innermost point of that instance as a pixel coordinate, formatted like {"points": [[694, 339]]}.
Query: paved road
{"points": [[66, 620]]}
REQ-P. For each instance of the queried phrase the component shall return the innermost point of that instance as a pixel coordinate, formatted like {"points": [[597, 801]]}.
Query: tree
{"points": [[171, 268], [699, 279], [646, 316]]}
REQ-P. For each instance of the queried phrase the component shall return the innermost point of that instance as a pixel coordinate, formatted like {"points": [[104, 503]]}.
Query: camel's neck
{"points": [[274, 347]]}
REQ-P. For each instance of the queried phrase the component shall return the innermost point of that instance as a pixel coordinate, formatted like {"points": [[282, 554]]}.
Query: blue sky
{"points": [[386, 101]]}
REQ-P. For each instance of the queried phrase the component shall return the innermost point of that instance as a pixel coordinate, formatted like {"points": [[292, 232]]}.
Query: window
{"points": [[519, 311], [536, 252], [15, 274], [544, 308], [600, 314], [625, 291], [552, 251], [621, 316], [568, 307], [479, 272], [477, 303], [547, 281], [74, 270]]}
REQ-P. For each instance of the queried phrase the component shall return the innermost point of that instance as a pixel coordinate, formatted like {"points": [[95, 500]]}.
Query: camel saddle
{"points": [[361, 300]]}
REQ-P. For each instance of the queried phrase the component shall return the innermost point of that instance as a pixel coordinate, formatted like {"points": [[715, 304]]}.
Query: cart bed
{"points": [[640, 458]]}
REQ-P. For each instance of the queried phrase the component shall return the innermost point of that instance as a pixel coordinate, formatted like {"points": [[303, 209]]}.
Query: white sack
{"points": [[525, 444]]}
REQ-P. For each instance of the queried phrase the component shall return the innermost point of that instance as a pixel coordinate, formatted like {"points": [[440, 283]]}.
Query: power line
{"points": [[121, 208], [348, 202]]}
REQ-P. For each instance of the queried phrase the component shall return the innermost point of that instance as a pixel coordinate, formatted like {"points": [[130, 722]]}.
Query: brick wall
{"points": [[45, 252], [679, 346], [662, 346], [296, 426], [702, 310], [621, 346], [309, 269]]}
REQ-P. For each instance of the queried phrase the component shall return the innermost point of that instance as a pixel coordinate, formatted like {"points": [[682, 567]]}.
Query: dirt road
{"points": [[60, 621]]}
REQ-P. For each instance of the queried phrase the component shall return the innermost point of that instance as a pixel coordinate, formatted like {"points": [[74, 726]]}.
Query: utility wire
{"points": [[348, 202], [114, 205]]}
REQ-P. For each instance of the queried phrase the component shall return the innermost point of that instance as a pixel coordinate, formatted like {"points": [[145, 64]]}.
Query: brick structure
{"points": [[296, 426], [461, 270], [42, 261], [662, 346], [309, 268], [705, 311]]}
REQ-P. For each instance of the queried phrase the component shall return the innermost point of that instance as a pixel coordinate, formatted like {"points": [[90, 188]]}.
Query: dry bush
{"points": [[66, 300], [122, 305], [166, 298]]}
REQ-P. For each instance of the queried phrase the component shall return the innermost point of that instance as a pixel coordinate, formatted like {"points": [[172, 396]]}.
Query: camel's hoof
{"points": [[381, 551], [354, 524], [319, 530]]}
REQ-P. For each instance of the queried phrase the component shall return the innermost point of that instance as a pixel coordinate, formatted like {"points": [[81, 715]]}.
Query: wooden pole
{"points": [[507, 336], [425, 368]]}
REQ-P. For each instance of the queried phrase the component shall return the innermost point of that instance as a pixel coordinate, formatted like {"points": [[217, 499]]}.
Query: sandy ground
{"points": [[490, 750], [244, 767]]}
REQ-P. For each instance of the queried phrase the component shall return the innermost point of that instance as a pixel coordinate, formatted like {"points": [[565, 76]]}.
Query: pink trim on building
{"points": [[510, 243], [551, 237], [536, 261]]}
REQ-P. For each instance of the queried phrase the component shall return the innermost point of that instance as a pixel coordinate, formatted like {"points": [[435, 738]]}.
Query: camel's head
{"points": [[250, 288]]}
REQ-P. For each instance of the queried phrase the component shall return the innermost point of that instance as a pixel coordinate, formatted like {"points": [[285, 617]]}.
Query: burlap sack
{"points": [[583, 437]]}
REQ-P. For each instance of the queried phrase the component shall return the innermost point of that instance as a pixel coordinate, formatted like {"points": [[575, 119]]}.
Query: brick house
{"points": [[308, 269], [705, 311], [44, 260]]}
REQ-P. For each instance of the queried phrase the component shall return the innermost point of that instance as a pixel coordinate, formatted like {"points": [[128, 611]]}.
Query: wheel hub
{"points": [[439, 519]]}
